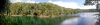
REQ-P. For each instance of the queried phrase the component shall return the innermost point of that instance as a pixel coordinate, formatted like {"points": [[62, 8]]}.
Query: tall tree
{"points": [[3, 5], [91, 2]]}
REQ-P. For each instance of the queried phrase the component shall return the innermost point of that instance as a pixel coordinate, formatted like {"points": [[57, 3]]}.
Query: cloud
{"points": [[72, 5], [88, 7], [30, 1], [49, 1], [18, 1], [13, 1], [66, 4]]}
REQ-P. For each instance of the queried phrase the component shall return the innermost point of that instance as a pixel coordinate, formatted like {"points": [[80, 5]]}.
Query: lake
{"points": [[85, 18]]}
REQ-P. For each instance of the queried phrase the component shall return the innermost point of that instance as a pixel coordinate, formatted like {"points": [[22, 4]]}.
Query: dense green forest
{"points": [[43, 13], [41, 9]]}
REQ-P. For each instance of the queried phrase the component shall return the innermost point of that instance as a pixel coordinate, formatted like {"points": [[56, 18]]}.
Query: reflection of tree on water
{"points": [[35, 17], [98, 22]]}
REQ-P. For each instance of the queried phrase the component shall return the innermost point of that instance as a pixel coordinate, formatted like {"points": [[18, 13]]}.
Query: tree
{"points": [[91, 2], [42, 9], [3, 8]]}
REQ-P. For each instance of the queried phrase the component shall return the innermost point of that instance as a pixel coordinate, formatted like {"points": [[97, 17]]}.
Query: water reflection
{"points": [[70, 22], [86, 18]]}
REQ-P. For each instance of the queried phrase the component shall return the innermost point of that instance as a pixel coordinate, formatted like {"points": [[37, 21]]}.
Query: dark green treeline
{"points": [[41, 9]]}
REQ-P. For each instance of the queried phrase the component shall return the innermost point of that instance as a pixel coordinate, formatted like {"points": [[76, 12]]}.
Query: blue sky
{"points": [[64, 3], [79, 2]]}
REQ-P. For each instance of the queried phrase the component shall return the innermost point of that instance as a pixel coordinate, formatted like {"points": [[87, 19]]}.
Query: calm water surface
{"points": [[86, 18]]}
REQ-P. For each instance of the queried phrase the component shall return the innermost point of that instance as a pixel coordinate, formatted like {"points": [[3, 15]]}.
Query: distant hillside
{"points": [[40, 9], [89, 10]]}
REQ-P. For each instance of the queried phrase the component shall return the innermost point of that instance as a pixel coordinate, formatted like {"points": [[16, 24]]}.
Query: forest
{"points": [[43, 13], [41, 9]]}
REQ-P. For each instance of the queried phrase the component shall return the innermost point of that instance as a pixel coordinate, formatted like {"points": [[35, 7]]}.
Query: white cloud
{"points": [[88, 7], [15, 1], [18, 1], [67, 4], [72, 5], [49, 1], [30, 1]]}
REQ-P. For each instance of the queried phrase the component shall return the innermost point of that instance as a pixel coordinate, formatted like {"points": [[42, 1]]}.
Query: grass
{"points": [[32, 20]]}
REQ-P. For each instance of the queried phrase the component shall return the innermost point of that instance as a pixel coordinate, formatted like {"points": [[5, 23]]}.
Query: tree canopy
{"points": [[90, 2], [41, 9]]}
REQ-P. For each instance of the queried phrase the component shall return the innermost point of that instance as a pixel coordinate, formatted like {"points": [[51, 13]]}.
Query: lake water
{"points": [[86, 18]]}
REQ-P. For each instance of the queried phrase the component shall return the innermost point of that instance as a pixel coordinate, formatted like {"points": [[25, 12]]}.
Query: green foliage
{"points": [[42, 9], [42, 14], [91, 2]]}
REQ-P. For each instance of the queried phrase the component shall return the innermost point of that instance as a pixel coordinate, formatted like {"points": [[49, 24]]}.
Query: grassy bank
{"points": [[32, 20]]}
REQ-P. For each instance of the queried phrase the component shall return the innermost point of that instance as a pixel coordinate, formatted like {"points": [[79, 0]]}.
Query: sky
{"points": [[64, 3]]}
